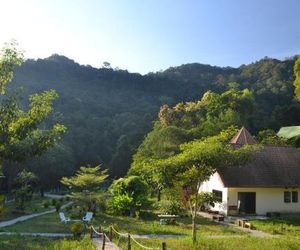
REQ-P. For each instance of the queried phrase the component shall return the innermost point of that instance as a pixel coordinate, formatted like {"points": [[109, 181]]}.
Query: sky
{"points": [[151, 35]]}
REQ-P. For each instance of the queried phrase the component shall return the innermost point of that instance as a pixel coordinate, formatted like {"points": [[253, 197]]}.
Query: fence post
{"points": [[129, 245], [91, 232], [110, 233], [164, 246], [99, 229], [103, 242]]}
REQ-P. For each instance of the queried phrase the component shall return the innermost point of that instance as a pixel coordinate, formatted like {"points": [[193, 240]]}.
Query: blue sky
{"points": [[150, 35]]}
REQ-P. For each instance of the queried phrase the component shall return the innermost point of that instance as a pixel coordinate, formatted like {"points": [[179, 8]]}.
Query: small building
{"points": [[269, 183]]}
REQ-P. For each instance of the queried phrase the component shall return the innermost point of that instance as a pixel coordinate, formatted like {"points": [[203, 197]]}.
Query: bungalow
{"points": [[269, 183]]}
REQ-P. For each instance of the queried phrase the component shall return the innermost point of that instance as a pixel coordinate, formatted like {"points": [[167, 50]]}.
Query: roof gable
{"points": [[242, 137]]}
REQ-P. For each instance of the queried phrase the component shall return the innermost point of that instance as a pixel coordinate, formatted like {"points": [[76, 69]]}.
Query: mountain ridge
{"points": [[108, 112]]}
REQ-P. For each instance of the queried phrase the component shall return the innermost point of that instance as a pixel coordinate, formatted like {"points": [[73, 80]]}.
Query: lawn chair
{"points": [[63, 217], [88, 217]]}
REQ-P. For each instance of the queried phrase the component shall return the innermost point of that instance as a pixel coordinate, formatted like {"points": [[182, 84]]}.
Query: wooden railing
{"points": [[128, 236]]}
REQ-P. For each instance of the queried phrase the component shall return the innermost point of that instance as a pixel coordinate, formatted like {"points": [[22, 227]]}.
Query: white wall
{"points": [[267, 200], [215, 182]]}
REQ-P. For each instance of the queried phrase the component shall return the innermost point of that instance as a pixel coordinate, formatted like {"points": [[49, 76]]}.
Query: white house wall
{"points": [[267, 199], [215, 183]]}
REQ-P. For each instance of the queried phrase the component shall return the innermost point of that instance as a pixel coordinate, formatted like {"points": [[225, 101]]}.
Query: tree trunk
{"points": [[42, 192], [194, 228], [194, 216], [158, 195]]}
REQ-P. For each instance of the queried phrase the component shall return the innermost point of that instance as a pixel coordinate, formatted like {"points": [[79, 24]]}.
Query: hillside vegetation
{"points": [[108, 112]]}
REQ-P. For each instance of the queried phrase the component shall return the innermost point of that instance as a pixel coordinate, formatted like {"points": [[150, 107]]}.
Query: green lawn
{"points": [[151, 226], [38, 243], [234, 239], [289, 225], [51, 223], [244, 243], [48, 223], [36, 205]]}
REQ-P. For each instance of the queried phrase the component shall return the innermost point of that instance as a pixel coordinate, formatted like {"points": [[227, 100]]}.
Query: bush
{"points": [[2, 205], [77, 229], [69, 208], [129, 195], [46, 204], [170, 207], [74, 215], [53, 202], [120, 204], [57, 206]]}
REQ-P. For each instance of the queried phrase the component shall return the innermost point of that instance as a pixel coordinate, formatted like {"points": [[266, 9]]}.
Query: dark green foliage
{"points": [[10, 57], [86, 187], [57, 206], [2, 205], [186, 122], [23, 133], [109, 112], [46, 204], [269, 137], [297, 78], [24, 188], [77, 229], [129, 195], [170, 206], [53, 202]]}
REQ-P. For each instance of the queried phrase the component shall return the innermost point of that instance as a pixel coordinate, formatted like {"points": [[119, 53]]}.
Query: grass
{"points": [[36, 205], [243, 243], [37, 243], [48, 223], [210, 234], [151, 226], [289, 225], [51, 223]]}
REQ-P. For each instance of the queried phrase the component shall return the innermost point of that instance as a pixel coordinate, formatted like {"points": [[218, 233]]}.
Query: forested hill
{"points": [[108, 112]]}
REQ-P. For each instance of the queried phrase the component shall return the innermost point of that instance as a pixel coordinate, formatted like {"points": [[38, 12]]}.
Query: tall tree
{"points": [[186, 122], [86, 186], [21, 132], [10, 57], [297, 78], [198, 160], [24, 187]]}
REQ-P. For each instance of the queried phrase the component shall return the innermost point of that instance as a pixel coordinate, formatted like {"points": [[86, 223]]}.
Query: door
{"points": [[247, 202]]}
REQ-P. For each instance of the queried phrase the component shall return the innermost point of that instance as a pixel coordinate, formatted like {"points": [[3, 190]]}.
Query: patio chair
{"points": [[63, 217], [88, 217]]}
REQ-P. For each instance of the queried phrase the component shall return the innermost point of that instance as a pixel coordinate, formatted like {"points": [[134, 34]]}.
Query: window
{"points": [[290, 196], [294, 196], [287, 196], [218, 194]]}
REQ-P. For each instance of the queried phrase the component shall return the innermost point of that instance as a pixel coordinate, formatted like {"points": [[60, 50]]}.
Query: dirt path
{"points": [[98, 242]]}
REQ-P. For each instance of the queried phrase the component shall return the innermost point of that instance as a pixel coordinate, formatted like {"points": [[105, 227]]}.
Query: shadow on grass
{"points": [[150, 225]]}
